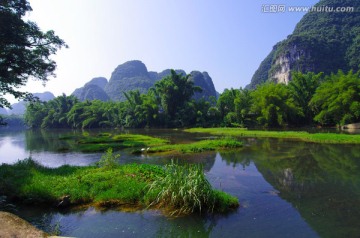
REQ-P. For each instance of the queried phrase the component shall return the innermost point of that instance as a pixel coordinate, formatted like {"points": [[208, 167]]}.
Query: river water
{"points": [[285, 188]]}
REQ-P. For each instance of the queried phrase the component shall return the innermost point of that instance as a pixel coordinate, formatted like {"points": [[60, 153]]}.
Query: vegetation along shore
{"points": [[330, 138], [173, 188]]}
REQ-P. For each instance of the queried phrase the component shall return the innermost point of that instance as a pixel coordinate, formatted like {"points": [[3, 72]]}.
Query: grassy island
{"points": [[174, 188], [145, 144], [102, 141], [197, 147], [329, 138]]}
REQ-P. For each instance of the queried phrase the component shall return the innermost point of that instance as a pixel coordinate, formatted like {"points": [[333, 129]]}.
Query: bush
{"points": [[109, 160]]}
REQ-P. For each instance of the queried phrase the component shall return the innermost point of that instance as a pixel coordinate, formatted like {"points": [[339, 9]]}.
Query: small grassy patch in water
{"points": [[31, 183], [102, 141], [329, 138], [199, 146]]}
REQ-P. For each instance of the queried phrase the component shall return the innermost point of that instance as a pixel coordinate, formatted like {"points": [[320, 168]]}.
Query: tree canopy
{"points": [[337, 100], [308, 99], [25, 50], [274, 105]]}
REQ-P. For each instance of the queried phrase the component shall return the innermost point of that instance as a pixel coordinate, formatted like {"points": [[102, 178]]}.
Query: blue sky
{"points": [[227, 38]]}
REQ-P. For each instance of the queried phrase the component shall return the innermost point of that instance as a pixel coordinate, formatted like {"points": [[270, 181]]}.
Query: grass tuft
{"points": [[185, 190]]}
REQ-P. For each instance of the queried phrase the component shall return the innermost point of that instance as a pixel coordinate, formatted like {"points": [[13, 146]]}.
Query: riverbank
{"points": [[134, 185], [14, 226], [326, 138]]}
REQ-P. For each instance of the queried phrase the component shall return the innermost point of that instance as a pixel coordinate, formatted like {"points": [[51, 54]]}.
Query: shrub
{"points": [[109, 160]]}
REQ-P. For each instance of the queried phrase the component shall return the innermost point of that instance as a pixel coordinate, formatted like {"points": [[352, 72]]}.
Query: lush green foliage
{"points": [[274, 105], [302, 88], [309, 98], [337, 100], [125, 185], [185, 189], [329, 138], [25, 50], [51, 114], [168, 104], [29, 182], [173, 94]]}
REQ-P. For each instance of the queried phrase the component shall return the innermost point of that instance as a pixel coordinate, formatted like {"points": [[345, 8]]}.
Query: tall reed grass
{"points": [[185, 189]]}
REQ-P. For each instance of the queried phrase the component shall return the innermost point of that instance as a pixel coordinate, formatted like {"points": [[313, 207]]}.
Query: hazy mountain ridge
{"points": [[19, 107], [94, 89], [321, 42], [134, 75]]}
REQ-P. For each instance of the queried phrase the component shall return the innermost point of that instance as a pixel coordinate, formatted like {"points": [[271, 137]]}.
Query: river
{"points": [[285, 188]]}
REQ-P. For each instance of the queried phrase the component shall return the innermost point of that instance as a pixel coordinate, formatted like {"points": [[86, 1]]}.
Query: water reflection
{"points": [[286, 189], [323, 183]]}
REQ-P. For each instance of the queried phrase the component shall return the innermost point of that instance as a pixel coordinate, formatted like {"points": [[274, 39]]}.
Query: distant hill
{"points": [[321, 42], [204, 81], [20, 107], [157, 76], [92, 90], [134, 75]]}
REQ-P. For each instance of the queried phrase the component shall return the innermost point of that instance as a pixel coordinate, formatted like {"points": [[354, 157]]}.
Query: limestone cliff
{"points": [[321, 42]]}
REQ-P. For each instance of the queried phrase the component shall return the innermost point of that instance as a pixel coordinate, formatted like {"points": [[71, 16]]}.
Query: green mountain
{"points": [[133, 75], [321, 42]]}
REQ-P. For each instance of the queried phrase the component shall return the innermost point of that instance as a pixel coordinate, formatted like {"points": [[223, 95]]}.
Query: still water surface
{"points": [[286, 189]]}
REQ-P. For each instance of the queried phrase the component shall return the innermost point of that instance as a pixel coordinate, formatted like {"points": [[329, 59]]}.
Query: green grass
{"points": [[199, 146], [102, 141], [121, 185], [330, 138], [185, 189]]}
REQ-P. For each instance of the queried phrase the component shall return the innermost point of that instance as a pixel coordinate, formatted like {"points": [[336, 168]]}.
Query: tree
{"points": [[24, 50], [226, 101], [35, 113], [243, 102], [173, 93], [303, 87], [274, 105], [337, 100], [51, 114]]}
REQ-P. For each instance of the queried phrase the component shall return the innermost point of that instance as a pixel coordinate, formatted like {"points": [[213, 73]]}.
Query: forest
{"points": [[308, 100]]}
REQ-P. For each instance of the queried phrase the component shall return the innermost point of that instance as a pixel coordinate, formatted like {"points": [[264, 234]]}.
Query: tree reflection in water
{"points": [[321, 181]]}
